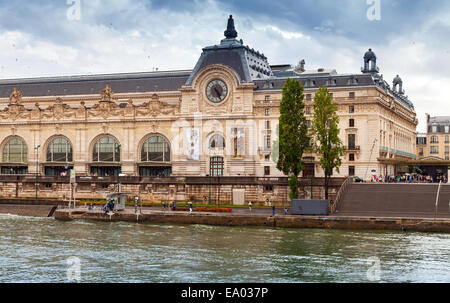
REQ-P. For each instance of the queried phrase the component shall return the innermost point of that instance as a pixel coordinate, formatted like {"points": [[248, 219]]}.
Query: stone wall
{"points": [[196, 189]]}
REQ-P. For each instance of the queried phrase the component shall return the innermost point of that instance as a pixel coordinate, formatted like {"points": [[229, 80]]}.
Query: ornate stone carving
{"points": [[15, 97], [107, 94], [36, 112], [104, 110], [81, 111], [155, 108], [129, 109], [15, 111]]}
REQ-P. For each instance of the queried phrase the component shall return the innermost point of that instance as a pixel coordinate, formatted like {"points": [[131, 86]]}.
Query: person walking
{"points": [[164, 206], [285, 211], [250, 206], [174, 205], [190, 206], [273, 211]]}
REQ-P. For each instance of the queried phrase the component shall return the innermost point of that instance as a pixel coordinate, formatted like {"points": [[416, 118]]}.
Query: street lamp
{"points": [[118, 168], [37, 168]]}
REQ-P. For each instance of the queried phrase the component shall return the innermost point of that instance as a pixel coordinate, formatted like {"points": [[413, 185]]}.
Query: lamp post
{"points": [[210, 183], [37, 168], [118, 168]]}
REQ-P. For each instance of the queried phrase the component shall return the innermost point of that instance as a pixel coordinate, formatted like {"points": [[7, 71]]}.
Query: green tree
{"points": [[325, 131], [293, 134]]}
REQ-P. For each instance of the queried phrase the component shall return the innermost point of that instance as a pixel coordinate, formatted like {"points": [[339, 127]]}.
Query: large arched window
{"points": [[106, 149], [15, 151], [217, 141], [59, 150], [155, 149]]}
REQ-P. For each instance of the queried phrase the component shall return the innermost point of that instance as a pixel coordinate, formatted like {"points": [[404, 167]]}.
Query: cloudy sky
{"points": [[70, 37]]}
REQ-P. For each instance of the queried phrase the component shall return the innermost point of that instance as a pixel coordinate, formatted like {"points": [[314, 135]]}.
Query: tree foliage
{"points": [[325, 130], [293, 133]]}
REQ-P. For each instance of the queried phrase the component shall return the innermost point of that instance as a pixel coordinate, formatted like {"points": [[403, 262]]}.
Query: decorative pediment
{"points": [[104, 109], [58, 111], [15, 112]]}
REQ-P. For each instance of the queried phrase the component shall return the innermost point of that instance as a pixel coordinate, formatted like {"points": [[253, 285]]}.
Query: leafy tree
{"points": [[293, 134], [325, 130]]}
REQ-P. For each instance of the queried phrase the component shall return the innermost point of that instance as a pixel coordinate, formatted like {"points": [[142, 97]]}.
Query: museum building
{"points": [[217, 120]]}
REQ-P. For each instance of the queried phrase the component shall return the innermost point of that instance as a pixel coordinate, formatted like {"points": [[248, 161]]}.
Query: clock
{"points": [[216, 91]]}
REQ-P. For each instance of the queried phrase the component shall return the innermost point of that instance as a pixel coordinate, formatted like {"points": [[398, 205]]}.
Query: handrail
{"points": [[341, 193], [437, 199]]}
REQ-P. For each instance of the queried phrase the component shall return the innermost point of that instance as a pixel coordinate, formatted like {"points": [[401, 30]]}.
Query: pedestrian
{"points": [[174, 205], [190, 206], [164, 205], [273, 211], [285, 211], [250, 206]]}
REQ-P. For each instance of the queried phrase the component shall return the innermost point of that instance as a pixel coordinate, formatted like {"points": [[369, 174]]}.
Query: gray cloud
{"points": [[125, 36]]}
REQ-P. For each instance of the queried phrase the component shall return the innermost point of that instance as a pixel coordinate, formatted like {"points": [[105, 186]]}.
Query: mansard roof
{"points": [[440, 120], [249, 64], [93, 84]]}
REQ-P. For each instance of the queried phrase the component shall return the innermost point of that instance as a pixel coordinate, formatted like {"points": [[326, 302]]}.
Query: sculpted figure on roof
{"points": [[15, 97], [107, 93]]}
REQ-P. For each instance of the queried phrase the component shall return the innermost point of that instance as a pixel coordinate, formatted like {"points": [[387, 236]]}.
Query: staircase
{"points": [[394, 200]]}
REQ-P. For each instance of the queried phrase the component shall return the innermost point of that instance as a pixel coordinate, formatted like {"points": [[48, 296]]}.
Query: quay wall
{"points": [[258, 190], [400, 224], [28, 210]]}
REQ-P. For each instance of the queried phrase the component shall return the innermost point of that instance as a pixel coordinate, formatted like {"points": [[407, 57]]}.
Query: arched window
{"points": [[15, 151], [59, 150], [155, 149], [217, 141], [106, 149]]}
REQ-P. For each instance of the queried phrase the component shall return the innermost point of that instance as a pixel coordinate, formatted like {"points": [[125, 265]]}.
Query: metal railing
{"points": [[340, 193], [437, 200]]}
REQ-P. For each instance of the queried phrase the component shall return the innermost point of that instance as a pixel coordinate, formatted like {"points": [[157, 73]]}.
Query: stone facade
{"points": [[218, 119], [436, 142]]}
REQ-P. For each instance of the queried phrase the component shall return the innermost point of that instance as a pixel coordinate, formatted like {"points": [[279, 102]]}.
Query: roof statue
{"points": [[107, 93], [300, 68], [231, 32], [398, 81], [15, 97]]}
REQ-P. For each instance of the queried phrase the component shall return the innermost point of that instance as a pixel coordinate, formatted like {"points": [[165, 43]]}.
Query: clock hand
{"points": [[217, 92]]}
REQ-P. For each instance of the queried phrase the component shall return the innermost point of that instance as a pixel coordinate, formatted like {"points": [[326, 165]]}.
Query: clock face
{"points": [[216, 91]]}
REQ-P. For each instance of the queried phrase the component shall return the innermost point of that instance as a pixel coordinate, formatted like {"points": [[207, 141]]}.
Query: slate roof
{"points": [[94, 84]]}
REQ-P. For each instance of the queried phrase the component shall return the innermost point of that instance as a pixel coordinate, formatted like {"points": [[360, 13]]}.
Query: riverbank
{"points": [[284, 221]]}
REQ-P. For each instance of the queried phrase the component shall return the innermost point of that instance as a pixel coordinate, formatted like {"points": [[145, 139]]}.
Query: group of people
{"points": [[250, 205], [408, 178], [173, 205]]}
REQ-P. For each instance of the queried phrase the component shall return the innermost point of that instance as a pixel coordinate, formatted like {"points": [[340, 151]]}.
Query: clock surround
{"points": [[216, 91]]}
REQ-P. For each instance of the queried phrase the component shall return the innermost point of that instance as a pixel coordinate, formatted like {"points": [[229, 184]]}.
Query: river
{"points": [[38, 250]]}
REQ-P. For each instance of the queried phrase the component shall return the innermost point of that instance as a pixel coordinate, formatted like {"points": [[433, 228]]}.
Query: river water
{"points": [[38, 249]]}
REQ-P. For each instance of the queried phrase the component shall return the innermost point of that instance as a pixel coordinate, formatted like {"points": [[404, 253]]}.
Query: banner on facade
{"points": [[192, 139]]}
